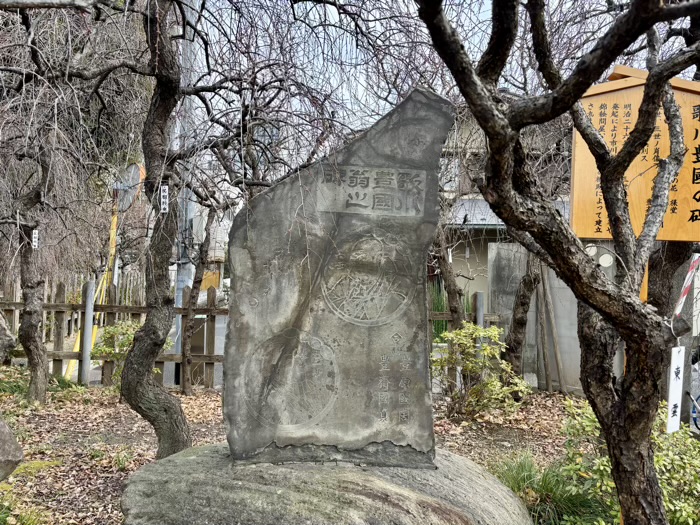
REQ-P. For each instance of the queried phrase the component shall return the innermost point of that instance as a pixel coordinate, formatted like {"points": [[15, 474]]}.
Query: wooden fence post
{"points": [[17, 297], [110, 320], [59, 332], [555, 334], [186, 362], [44, 316], [478, 308], [210, 338], [88, 327], [160, 365], [542, 332], [141, 296], [9, 296], [69, 317], [82, 319]]}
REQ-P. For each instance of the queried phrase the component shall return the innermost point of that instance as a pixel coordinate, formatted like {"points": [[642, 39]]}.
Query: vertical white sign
{"points": [[35, 239], [675, 389], [164, 199]]}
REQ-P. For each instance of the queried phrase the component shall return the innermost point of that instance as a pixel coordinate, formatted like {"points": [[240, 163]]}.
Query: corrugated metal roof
{"points": [[476, 212]]}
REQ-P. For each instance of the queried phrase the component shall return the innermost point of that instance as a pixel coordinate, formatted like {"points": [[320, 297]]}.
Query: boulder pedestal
{"points": [[10, 451], [202, 486]]}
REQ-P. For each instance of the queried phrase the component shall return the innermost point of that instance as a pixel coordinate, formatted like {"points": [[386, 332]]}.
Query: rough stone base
{"points": [[200, 486], [385, 454], [10, 451]]}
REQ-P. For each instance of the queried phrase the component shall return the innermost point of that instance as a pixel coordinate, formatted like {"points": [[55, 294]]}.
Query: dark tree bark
{"points": [[610, 311], [518, 322], [139, 388], [626, 409], [31, 278], [455, 295], [455, 305], [30, 327], [188, 328]]}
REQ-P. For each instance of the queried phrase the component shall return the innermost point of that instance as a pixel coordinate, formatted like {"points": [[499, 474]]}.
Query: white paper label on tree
{"points": [[675, 389], [35, 239], [164, 199]]}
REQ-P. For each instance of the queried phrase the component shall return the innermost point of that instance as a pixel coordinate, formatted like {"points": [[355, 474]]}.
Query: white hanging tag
{"points": [[164, 199], [675, 389], [35, 239]]}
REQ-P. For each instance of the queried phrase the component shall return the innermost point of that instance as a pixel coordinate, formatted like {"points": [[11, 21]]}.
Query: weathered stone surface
{"points": [[327, 344], [200, 486], [7, 340], [10, 451]]}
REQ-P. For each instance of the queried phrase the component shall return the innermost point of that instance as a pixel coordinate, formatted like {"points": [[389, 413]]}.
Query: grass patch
{"points": [[14, 380], [547, 493], [30, 469], [13, 513]]}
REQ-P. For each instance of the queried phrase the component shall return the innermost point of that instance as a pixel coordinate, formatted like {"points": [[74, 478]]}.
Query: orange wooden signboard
{"points": [[210, 279], [612, 107]]}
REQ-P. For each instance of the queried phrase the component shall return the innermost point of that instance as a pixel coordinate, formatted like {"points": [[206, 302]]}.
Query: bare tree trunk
{"points": [[449, 281], [454, 302], [141, 391], [188, 328], [518, 321], [30, 326], [626, 408], [542, 332]]}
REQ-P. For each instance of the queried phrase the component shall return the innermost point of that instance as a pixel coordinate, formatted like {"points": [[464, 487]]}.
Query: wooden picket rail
{"points": [[64, 311]]}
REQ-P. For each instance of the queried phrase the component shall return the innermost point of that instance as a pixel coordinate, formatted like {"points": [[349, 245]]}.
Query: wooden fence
{"points": [[68, 319]]}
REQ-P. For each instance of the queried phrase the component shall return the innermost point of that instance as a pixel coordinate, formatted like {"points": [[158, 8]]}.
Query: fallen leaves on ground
{"points": [[535, 428], [81, 447]]}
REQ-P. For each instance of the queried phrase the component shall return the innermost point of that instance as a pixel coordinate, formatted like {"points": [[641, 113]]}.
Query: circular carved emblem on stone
{"points": [[292, 382], [369, 281]]}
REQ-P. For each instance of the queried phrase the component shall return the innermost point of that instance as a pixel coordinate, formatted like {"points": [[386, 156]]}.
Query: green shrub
{"points": [[486, 381], [438, 302], [581, 491], [114, 344], [676, 458]]}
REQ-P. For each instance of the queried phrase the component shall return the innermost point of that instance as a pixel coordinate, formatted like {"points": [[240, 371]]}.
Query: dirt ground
{"points": [[81, 447]]}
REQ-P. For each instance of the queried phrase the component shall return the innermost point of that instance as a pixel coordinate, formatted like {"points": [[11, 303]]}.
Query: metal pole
{"points": [[87, 332], [184, 268]]}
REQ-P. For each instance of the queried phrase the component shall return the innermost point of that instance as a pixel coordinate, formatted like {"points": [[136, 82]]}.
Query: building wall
{"points": [[507, 262], [470, 257]]}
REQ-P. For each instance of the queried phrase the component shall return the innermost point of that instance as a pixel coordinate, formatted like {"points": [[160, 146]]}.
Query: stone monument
{"points": [[327, 355], [327, 350]]}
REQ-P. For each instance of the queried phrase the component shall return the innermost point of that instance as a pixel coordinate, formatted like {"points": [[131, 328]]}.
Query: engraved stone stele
{"points": [[327, 346], [327, 356]]}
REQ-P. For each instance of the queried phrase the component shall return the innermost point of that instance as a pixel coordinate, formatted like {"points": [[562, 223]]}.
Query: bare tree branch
{"points": [[42, 4], [504, 15]]}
